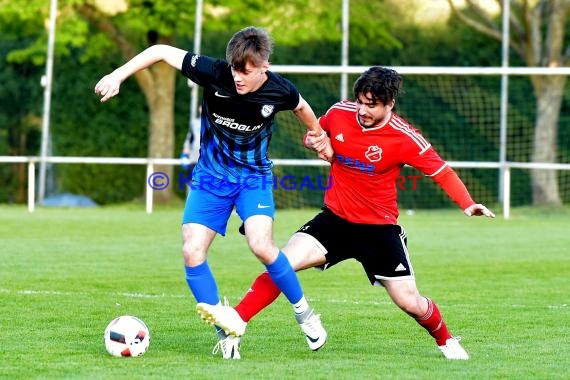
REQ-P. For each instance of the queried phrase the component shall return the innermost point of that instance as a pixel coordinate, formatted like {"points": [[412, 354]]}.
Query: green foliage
{"points": [[32, 20], [305, 32], [163, 17], [117, 130], [20, 120], [372, 24], [97, 43], [21, 21]]}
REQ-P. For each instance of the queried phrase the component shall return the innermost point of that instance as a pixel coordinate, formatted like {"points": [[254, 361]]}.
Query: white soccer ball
{"points": [[127, 336]]}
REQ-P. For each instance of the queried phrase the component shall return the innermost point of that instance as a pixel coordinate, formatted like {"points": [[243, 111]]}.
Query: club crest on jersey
{"points": [[374, 153], [194, 60], [267, 110]]}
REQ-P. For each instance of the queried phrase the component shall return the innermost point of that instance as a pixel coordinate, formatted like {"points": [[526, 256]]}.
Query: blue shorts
{"points": [[210, 203]]}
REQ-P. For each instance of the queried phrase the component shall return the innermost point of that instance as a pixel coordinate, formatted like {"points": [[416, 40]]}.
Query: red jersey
{"points": [[368, 162]]}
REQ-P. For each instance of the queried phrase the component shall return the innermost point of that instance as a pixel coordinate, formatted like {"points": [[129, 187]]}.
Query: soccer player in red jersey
{"points": [[371, 145]]}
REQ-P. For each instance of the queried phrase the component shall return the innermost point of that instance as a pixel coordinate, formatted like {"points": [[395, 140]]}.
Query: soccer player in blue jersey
{"points": [[240, 99]]}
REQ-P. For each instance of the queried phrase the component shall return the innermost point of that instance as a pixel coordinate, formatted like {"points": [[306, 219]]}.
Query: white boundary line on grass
{"points": [[163, 295], [60, 293]]}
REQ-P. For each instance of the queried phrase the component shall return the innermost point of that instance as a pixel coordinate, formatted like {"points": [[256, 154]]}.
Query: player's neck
{"points": [[263, 79]]}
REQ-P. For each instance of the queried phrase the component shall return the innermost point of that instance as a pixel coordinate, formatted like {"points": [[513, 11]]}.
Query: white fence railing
{"points": [[150, 162]]}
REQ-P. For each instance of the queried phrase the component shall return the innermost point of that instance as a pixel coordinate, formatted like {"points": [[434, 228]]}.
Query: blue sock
{"points": [[202, 283], [283, 275]]}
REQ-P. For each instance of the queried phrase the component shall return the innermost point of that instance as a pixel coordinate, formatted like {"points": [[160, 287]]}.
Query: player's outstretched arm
{"points": [[456, 190], [110, 84]]}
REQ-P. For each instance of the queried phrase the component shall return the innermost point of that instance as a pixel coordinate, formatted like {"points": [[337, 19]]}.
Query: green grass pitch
{"points": [[504, 286]]}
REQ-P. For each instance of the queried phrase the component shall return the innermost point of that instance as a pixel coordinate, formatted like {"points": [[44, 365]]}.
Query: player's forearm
{"points": [[323, 146], [171, 55], [450, 182], [305, 114]]}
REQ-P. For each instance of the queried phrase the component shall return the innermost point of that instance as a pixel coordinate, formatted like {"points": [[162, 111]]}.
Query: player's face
{"points": [[250, 79], [372, 113]]}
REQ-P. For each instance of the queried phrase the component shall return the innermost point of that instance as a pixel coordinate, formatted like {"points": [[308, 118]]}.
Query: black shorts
{"points": [[380, 248]]}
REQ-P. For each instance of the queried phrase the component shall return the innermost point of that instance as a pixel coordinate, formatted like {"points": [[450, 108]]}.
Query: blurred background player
{"points": [[191, 146], [240, 99], [359, 220]]}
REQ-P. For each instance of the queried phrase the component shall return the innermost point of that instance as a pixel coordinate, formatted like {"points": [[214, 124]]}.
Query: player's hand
{"points": [[327, 153], [321, 144], [316, 142], [478, 210], [108, 87]]}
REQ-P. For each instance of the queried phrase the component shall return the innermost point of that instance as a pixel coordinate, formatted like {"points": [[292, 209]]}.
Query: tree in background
{"points": [[99, 27], [537, 35], [105, 26], [131, 27], [20, 101]]}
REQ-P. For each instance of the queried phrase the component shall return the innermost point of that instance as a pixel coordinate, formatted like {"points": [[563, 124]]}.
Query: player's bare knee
{"points": [[408, 305], [412, 305], [192, 254], [264, 250], [258, 244], [405, 297]]}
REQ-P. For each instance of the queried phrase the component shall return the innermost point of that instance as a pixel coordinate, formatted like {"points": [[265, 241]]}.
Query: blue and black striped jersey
{"points": [[236, 129]]}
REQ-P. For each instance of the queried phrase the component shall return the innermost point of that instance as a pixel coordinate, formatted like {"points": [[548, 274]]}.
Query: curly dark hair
{"points": [[383, 84]]}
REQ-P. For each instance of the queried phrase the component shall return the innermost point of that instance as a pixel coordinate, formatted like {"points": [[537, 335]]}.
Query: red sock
{"points": [[434, 324], [262, 293]]}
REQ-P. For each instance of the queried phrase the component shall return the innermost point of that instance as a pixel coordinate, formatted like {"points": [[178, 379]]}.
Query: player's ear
{"points": [[265, 67]]}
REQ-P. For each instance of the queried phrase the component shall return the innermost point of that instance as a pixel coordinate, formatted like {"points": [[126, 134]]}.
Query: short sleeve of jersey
{"points": [[279, 86], [201, 69], [323, 122]]}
